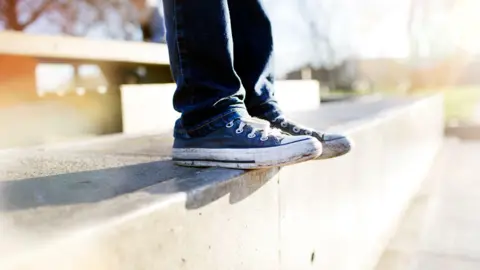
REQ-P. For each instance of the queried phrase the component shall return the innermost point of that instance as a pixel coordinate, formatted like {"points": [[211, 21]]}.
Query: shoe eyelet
{"points": [[296, 130], [263, 139], [284, 124], [251, 136], [308, 133], [229, 125], [238, 131]]}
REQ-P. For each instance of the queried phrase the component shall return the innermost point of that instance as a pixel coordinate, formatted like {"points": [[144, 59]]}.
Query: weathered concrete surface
{"points": [[344, 211], [440, 229], [160, 228], [141, 212], [148, 108]]}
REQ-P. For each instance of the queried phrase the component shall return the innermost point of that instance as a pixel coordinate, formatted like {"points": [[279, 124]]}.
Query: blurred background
{"points": [[353, 48], [79, 69]]}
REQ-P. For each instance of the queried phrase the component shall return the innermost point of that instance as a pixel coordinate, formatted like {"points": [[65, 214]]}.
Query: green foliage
{"points": [[461, 103]]}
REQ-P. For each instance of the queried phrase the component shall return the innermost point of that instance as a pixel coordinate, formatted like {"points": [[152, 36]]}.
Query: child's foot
{"points": [[245, 144], [334, 145]]}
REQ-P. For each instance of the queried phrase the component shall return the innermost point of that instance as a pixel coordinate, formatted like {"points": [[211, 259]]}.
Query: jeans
{"points": [[221, 59]]}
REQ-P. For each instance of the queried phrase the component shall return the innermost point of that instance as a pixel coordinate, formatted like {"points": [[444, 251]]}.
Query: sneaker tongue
{"points": [[262, 125]]}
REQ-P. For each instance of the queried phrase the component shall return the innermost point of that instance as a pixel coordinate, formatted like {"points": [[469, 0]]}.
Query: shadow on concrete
{"points": [[202, 186], [212, 185], [85, 187]]}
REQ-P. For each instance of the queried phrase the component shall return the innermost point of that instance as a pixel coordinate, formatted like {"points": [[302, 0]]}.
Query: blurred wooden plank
{"points": [[76, 48]]}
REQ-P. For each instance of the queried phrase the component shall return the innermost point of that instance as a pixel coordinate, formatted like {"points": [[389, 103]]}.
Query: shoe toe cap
{"points": [[335, 145]]}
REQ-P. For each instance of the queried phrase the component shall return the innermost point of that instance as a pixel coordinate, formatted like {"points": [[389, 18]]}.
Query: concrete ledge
{"points": [[148, 108], [118, 203]]}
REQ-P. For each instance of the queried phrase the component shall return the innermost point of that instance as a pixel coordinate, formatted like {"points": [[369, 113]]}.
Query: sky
{"points": [[380, 29], [366, 29]]}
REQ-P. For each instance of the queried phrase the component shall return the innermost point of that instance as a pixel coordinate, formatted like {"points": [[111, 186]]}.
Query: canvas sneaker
{"points": [[245, 143], [334, 145]]}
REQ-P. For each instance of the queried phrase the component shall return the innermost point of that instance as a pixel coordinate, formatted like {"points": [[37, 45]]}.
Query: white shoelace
{"points": [[296, 129], [257, 125]]}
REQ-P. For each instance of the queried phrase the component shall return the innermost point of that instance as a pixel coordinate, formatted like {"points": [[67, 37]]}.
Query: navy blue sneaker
{"points": [[245, 144], [334, 145]]}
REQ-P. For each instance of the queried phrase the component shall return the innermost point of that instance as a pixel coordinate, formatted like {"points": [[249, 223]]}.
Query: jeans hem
{"points": [[267, 111]]}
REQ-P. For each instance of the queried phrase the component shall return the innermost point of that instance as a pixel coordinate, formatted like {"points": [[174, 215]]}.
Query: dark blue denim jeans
{"points": [[221, 59]]}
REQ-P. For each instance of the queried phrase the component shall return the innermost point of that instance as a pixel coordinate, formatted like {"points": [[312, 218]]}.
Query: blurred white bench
{"points": [[66, 48], [20, 56], [148, 108]]}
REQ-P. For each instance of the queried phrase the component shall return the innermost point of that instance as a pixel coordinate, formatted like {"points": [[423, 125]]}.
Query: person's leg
{"points": [[215, 128], [253, 53], [201, 58]]}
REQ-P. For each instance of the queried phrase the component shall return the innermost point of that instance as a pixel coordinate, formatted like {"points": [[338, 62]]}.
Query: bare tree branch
{"points": [[2, 10], [10, 13], [37, 13], [73, 17]]}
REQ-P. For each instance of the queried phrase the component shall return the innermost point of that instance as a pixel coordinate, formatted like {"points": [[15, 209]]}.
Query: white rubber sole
{"points": [[253, 158]]}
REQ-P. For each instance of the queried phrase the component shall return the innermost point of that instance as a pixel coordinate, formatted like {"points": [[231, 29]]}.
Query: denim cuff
{"points": [[267, 111], [208, 126]]}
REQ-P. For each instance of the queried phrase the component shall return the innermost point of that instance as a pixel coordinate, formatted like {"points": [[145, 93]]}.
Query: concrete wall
{"points": [[334, 214]]}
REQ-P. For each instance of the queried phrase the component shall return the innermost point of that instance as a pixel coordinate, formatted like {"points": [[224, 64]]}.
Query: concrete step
{"points": [[440, 228], [119, 203], [148, 108]]}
